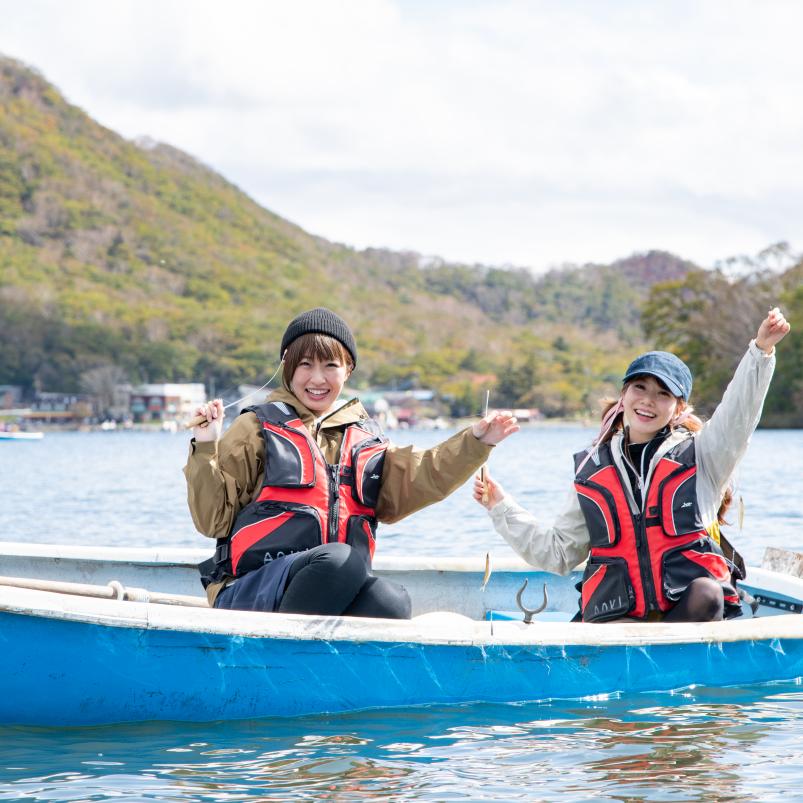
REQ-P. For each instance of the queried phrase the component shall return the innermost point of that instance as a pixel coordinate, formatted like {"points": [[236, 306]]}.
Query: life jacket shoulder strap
{"points": [[602, 458], [281, 413], [369, 425], [683, 452], [272, 412]]}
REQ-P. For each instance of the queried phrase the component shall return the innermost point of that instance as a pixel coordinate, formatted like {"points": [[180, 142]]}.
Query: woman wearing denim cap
{"points": [[646, 496]]}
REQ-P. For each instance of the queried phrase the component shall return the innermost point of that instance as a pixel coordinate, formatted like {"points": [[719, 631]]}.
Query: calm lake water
{"points": [[126, 488]]}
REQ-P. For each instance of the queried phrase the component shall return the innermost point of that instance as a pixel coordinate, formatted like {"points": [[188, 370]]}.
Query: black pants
{"points": [[330, 580]]}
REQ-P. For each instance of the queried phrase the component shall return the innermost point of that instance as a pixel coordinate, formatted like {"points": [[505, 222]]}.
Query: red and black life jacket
{"points": [[304, 501], [643, 562]]}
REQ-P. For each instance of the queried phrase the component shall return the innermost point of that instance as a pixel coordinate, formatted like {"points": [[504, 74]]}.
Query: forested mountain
{"points": [[133, 259]]}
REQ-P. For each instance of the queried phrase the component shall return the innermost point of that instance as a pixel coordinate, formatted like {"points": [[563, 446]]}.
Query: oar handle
{"points": [[114, 590]]}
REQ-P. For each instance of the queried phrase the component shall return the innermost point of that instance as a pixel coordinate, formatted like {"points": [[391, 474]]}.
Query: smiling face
{"points": [[649, 407], [316, 367], [317, 383]]}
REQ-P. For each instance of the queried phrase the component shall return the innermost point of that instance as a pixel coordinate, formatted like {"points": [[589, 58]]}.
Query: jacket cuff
{"points": [[203, 448], [475, 447], [505, 504], [759, 353]]}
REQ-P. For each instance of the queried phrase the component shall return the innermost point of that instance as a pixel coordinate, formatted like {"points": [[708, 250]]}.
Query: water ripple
{"points": [[723, 744], [696, 744]]}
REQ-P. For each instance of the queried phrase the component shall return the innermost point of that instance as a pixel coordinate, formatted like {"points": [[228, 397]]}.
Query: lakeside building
{"points": [[53, 407], [166, 402], [170, 404]]}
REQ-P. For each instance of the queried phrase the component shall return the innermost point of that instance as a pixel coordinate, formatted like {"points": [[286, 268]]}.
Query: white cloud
{"points": [[498, 131]]}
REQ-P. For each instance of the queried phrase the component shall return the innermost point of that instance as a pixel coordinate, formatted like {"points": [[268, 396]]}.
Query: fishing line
{"points": [[253, 392], [200, 420]]}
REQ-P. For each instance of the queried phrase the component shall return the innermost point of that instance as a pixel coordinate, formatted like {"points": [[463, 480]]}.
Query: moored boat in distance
{"points": [[147, 647], [18, 435]]}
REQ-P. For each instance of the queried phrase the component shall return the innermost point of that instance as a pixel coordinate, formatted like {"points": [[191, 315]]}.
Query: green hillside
{"points": [[137, 258]]}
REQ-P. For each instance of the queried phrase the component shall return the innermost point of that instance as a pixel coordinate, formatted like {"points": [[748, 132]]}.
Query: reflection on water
{"points": [[702, 744], [684, 754]]}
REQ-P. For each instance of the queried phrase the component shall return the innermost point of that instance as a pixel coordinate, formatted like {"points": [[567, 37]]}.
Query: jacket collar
{"points": [[617, 444], [675, 437], [352, 412]]}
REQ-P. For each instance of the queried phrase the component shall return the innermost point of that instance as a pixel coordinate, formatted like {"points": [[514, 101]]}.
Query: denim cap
{"points": [[671, 370]]}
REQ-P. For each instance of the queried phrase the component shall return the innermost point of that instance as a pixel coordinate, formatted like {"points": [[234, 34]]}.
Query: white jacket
{"points": [[720, 445]]}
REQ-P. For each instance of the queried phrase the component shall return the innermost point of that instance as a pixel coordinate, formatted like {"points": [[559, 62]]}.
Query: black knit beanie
{"points": [[321, 321]]}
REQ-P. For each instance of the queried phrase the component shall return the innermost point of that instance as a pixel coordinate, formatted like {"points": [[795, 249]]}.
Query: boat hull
{"points": [[77, 660], [68, 672]]}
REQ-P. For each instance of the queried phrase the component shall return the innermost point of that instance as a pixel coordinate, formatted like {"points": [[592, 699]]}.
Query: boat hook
{"points": [[528, 614]]}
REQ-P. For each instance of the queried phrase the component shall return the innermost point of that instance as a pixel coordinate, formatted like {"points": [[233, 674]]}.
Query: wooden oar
{"points": [[114, 590]]}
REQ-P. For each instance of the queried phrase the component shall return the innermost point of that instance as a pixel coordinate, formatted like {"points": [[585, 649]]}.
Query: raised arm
{"points": [[725, 437]]}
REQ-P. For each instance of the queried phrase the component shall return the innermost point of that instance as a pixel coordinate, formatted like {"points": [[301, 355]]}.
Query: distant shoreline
{"points": [[450, 424]]}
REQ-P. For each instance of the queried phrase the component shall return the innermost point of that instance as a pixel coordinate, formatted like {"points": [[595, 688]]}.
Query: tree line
{"points": [[133, 262], [707, 318]]}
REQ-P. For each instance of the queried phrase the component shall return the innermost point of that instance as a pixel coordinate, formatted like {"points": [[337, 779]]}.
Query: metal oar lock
{"points": [[528, 614]]}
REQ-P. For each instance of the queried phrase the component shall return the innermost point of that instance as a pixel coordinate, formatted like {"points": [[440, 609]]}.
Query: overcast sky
{"points": [[496, 131]]}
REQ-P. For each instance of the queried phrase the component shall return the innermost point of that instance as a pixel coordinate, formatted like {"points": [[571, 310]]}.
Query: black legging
{"points": [[333, 580], [702, 601]]}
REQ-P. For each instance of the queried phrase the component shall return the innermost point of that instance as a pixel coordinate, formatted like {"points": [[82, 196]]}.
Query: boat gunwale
{"points": [[435, 628], [190, 557]]}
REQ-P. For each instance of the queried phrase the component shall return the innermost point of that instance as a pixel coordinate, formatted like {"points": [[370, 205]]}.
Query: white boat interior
{"points": [[457, 585]]}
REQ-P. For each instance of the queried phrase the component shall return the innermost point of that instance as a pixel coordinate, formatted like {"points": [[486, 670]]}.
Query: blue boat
{"points": [[93, 636]]}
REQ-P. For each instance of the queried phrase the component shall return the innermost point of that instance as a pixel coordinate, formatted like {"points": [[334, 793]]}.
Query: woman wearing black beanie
{"points": [[294, 489]]}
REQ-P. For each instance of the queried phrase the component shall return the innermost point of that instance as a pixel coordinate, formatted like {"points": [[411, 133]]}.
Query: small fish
{"points": [[487, 576], [741, 512]]}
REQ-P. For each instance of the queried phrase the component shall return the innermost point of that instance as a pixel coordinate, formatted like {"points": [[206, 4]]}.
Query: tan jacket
{"points": [[223, 477]]}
